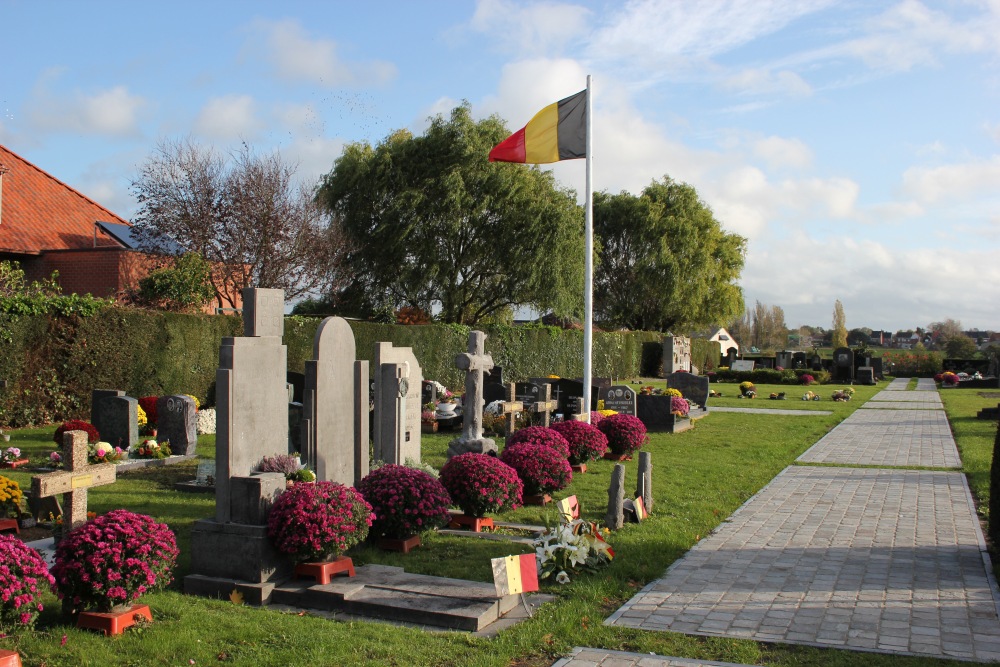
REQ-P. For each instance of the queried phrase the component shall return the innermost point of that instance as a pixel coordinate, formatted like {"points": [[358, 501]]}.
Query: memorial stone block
{"points": [[692, 387], [385, 353], [177, 422], [621, 398], [96, 397], [676, 354], [119, 418]]}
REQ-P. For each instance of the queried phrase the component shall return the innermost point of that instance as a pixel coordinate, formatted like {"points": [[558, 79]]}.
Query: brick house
{"points": [[47, 226]]}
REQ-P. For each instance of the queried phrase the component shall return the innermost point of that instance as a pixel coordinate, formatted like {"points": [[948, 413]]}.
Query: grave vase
{"points": [[579, 467], [537, 499], [323, 571], [114, 622], [446, 410]]}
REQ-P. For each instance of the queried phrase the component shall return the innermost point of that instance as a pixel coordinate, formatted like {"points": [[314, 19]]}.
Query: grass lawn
{"points": [[699, 478]]}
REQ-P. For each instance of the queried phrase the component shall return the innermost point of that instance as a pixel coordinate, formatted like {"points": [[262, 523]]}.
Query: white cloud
{"points": [[764, 81], [952, 182], [227, 118], [780, 152], [532, 29], [113, 112], [295, 57]]}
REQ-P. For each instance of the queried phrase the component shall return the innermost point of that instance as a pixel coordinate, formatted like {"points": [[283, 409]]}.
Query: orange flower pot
{"points": [[113, 622], [323, 571]]}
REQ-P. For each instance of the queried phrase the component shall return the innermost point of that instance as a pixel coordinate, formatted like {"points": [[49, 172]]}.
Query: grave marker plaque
{"points": [[621, 399]]}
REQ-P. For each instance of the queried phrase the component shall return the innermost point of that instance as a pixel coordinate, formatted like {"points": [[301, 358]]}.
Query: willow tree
{"points": [[433, 225], [665, 262]]}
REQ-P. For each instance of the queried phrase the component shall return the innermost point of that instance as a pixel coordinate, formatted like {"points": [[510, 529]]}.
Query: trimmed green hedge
{"points": [[771, 376], [53, 363]]}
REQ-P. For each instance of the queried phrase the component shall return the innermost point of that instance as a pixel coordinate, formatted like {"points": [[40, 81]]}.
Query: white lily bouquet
{"points": [[571, 548]]}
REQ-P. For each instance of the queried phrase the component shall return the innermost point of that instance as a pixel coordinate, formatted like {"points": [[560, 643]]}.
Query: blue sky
{"points": [[855, 144]]}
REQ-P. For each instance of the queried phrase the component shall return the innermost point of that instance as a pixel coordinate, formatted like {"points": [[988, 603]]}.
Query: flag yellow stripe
{"points": [[514, 584], [541, 136]]}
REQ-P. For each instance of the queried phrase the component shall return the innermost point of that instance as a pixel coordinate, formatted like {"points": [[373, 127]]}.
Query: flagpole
{"points": [[588, 294]]}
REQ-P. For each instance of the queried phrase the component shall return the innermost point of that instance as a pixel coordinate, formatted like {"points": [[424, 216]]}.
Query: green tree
{"points": [[432, 224], [958, 346], [839, 326], [665, 261], [184, 286]]}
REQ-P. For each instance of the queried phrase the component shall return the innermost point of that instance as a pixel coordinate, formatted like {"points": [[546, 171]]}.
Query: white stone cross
{"points": [[74, 482]]}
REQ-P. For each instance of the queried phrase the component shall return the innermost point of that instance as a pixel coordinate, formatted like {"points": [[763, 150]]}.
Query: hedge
{"points": [[53, 363], [770, 376]]}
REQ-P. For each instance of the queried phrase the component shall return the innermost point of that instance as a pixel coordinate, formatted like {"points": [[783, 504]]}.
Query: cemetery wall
{"points": [[55, 362]]}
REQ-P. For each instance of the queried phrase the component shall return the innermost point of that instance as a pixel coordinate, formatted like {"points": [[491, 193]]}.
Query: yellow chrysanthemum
{"points": [[141, 414]]}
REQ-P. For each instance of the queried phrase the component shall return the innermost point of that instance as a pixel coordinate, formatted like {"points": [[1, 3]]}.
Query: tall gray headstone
{"points": [[177, 421], [392, 401], [409, 447], [251, 396], [330, 406], [644, 481], [119, 418], [474, 362], [96, 396], [615, 518], [621, 399], [676, 354]]}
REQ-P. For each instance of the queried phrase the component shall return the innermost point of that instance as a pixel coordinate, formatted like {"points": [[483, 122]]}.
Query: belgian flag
{"points": [[557, 132]]}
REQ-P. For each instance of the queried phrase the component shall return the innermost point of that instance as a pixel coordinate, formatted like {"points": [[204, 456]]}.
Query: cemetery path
{"points": [[871, 559], [592, 657]]}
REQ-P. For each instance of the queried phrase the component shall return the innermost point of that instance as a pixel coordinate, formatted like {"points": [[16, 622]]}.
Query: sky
{"points": [[855, 144]]}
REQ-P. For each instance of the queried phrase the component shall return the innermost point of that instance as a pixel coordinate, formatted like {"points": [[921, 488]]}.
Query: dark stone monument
{"points": [[866, 375], [494, 392], [843, 365], [97, 396], [298, 382], [621, 399], [493, 376], [692, 387], [798, 360], [428, 393], [816, 362], [783, 359], [177, 422], [877, 368], [730, 357], [119, 417]]}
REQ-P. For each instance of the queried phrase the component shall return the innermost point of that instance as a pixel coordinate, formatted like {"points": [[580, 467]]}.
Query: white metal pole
{"points": [[588, 295]]}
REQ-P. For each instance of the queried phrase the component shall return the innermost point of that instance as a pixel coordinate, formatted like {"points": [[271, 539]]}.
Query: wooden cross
{"points": [[545, 406], [74, 482], [510, 408], [474, 363]]}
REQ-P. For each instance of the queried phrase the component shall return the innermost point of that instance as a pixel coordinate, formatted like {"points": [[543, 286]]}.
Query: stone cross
{"points": [[474, 363], [510, 408], [74, 482]]}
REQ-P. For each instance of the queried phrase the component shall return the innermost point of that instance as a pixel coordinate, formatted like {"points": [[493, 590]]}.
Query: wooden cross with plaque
{"points": [[74, 481]]}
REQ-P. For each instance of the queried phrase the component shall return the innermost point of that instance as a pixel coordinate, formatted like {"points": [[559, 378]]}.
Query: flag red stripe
{"points": [[510, 149], [529, 573]]}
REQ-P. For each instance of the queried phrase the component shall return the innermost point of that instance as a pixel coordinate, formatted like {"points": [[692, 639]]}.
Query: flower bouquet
{"points": [[578, 546], [586, 442], [11, 458], [480, 484], [23, 574], [318, 522], [406, 501], [747, 387], [106, 564], [679, 407], [289, 465], [542, 470], [103, 452], [540, 435], [150, 449], [10, 498], [148, 406], [626, 435]]}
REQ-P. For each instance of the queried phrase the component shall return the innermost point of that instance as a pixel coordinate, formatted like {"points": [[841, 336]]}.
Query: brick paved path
{"points": [[593, 657], [868, 559], [908, 438]]}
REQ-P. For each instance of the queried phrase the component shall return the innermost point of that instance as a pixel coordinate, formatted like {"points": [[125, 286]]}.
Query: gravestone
{"points": [[866, 375], [692, 387], [74, 481], [251, 395], [676, 354], [391, 406], [493, 392], [119, 418], [615, 517], [877, 368], [743, 365], [96, 397], [493, 376], [784, 359], [474, 362], [843, 364], [816, 362], [567, 393], [428, 393], [621, 399], [406, 441], [335, 406], [177, 422], [730, 357], [798, 360], [644, 481]]}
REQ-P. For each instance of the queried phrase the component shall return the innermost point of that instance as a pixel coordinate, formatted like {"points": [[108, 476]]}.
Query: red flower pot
{"points": [[14, 464], [9, 658], [113, 622], [475, 524], [579, 467], [323, 571], [540, 499], [404, 546]]}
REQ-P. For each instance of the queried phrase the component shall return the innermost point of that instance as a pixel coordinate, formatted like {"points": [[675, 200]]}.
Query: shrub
{"points": [[320, 521], [148, 404], [949, 379], [626, 434], [10, 498], [286, 464], [77, 425], [185, 286], [806, 379], [540, 435], [586, 442], [679, 406], [541, 469], [479, 484], [22, 573], [113, 559], [406, 501]]}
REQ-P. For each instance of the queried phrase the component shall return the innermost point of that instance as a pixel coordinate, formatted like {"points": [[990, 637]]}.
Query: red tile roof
{"points": [[39, 212]]}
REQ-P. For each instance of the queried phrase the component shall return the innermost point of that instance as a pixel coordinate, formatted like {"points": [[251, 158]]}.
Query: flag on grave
{"points": [[515, 574], [557, 132]]}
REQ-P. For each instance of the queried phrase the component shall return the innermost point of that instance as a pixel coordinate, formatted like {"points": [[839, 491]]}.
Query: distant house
{"points": [[47, 226], [724, 339], [881, 338]]}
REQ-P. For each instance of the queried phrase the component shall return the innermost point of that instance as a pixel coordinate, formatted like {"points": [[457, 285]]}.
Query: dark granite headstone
{"points": [[428, 393], [119, 418], [97, 396], [843, 364], [783, 359], [877, 368], [621, 399], [692, 387], [798, 360], [816, 362], [866, 375], [730, 357], [494, 392], [177, 421], [494, 376]]}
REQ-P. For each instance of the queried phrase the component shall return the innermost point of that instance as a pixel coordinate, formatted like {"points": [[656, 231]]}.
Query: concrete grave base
{"points": [[136, 464], [236, 552]]}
